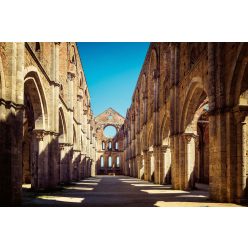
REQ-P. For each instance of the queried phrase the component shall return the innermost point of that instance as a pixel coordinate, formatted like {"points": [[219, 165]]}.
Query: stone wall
{"points": [[47, 129], [187, 123], [109, 148]]}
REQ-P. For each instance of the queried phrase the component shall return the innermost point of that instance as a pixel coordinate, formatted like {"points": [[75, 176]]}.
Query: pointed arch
{"points": [[62, 126], [238, 82], [196, 98], [33, 88], [74, 136]]}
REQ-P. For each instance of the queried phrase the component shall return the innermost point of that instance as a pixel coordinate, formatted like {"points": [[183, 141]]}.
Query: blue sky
{"points": [[112, 70]]}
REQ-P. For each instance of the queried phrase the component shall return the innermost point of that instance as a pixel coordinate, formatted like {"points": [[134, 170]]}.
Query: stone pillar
{"points": [[39, 174], [157, 164], [139, 165], [151, 166], [189, 177], [242, 153], [75, 164], [163, 165], [146, 164], [93, 168]]}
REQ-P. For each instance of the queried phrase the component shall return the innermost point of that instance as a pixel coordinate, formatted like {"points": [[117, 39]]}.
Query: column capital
{"points": [[189, 136], [39, 134], [164, 148], [150, 152]]}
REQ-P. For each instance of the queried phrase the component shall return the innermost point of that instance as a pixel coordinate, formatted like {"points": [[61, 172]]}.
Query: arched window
{"points": [[72, 55], [117, 161], [109, 161], [103, 145], [116, 146], [37, 46], [102, 162], [109, 145]]}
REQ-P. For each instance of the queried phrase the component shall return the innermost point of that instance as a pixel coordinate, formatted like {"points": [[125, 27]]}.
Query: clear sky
{"points": [[112, 70]]}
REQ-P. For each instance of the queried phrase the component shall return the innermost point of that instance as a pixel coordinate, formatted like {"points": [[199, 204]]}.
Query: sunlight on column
{"points": [[61, 198]]}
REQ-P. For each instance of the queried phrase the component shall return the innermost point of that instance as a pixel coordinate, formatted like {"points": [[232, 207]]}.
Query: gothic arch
{"points": [[238, 83], [150, 138], [34, 89], [194, 148], [152, 75], [62, 126], [165, 131], [74, 136], [195, 97]]}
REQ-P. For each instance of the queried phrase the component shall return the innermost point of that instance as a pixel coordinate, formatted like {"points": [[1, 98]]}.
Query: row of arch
{"points": [[192, 137], [111, 163], [110, 145]]}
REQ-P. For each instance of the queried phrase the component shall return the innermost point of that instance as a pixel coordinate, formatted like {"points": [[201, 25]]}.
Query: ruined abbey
{"points": [[187, 123]]}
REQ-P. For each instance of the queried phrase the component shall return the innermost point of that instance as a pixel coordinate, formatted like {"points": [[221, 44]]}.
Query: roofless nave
{"points": [[186, 126]]}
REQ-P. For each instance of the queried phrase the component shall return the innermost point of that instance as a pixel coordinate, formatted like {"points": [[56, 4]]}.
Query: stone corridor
{"points": [[119, 191]]}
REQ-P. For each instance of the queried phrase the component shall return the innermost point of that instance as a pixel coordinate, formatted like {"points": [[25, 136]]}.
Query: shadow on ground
{"points": [[119, 191]]}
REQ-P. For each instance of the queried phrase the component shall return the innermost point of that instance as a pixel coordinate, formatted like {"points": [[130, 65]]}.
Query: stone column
{"points": [[189, 177], [165, 165], [39, 176], [241, 156], [157, 164], [146, 164], [151, 165]]}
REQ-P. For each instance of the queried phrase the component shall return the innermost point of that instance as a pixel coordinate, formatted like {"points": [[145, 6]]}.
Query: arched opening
{"points": [[195, 152], [116, 146], [37, 47], [110, 162], [102, 162], [118, 161], [109, 131], [202, 172], [34, 123], [103, 145], [109, 145], [72, 55], [74, 136], [28, 127]]}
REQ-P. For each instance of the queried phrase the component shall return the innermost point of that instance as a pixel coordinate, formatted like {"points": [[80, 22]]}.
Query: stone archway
{"points": [[34, 152], [194, 114]]}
